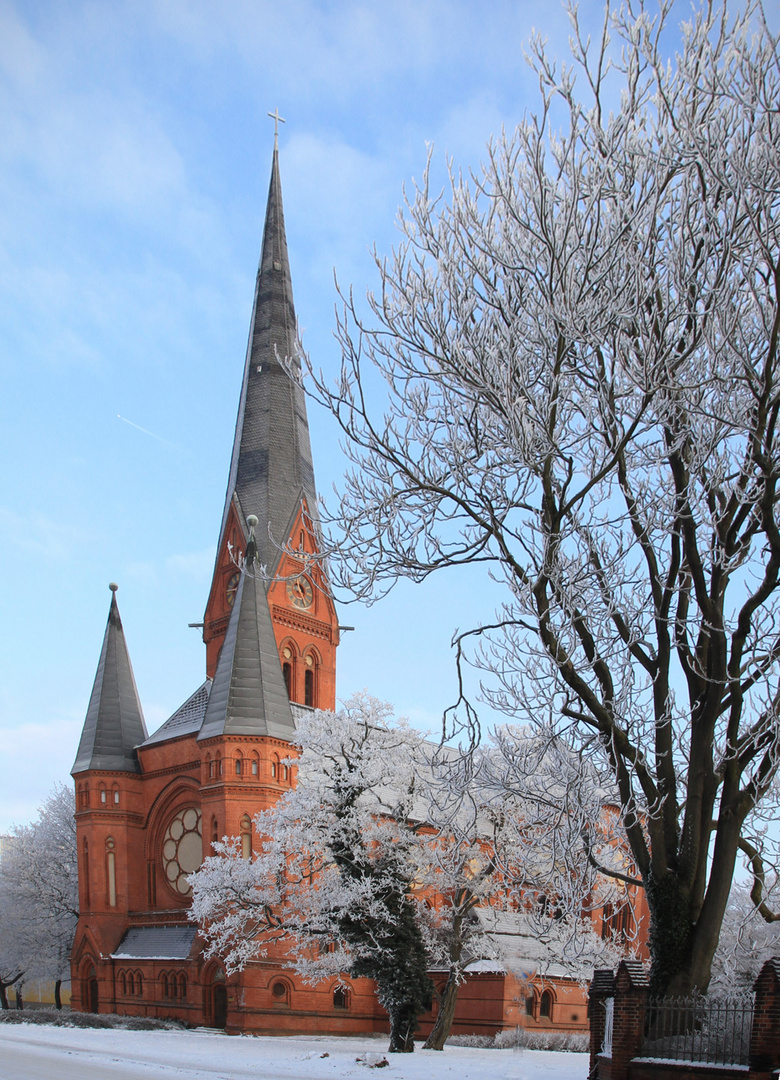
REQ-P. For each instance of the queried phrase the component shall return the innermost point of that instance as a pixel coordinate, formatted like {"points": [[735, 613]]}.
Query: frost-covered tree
{"points": [[748, 938], [390, 855], [39, 891], [569, 373], [334, 879]]}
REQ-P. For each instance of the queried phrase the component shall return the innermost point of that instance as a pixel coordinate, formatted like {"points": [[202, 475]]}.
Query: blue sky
{"points": [[134, 163]]}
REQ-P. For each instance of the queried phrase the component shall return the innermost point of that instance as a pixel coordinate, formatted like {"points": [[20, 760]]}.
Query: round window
{"points": [[279, 990], [182, 851]]}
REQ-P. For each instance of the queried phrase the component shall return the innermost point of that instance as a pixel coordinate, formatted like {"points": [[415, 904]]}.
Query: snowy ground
{"points": [[32, 1052]]}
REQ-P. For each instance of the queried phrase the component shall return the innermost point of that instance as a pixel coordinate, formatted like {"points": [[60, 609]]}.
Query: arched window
{"points": [[103, 796], [545, 1005], [164, 981], [311, 665], [341, 998], [246, 837], [288, 669], [131, 984], [308, 688], [115, 794], [111, 871], [123, 983], [209, 766], [529, 1005], [275, 766], [85, 861], [219, 764], [182, 987], [139, 984], [214, 831], [285, 773], [255, 765], [239, 765]]}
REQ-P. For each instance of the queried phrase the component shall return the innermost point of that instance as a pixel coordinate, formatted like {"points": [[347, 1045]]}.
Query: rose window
{"points": [[182, 851]]}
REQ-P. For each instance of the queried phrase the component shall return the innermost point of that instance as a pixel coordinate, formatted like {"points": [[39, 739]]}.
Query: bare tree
{"points": [[578, 354], [39, 891]]}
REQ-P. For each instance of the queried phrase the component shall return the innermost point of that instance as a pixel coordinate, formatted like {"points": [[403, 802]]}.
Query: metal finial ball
{"points": [[251, 521], [113, 586]]}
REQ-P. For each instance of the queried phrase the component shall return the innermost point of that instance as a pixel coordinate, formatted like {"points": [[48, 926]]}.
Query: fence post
{"points": [[602, 988], [631, 989], [765, 1036]]}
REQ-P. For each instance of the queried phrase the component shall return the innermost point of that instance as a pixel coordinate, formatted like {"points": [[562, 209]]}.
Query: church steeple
{"points": [[271, 470], [115, 722]]}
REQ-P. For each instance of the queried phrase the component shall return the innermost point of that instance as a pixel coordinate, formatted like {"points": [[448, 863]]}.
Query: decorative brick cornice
{"points": [[303, 623]]}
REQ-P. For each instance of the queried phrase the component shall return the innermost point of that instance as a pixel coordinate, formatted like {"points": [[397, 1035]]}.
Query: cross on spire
{"points": [[276, 118]]}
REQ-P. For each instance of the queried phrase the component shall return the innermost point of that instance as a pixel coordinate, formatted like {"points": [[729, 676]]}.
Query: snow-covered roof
{"points": [[156, 943]]}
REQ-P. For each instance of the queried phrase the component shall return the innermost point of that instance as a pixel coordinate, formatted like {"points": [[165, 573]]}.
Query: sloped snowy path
{"points": [[31, 1052]]}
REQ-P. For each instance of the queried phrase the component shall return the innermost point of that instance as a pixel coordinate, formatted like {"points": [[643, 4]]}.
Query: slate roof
{"points": [[114, 725], [156, 943], [187, 718], [249, 696], [271, 469]]}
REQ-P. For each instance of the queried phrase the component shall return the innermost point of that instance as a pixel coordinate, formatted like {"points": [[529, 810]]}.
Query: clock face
{"points": [[232, 586], [299, 592]]}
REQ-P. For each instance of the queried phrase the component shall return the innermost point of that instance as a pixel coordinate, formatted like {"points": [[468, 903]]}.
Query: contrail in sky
{"points": [[139, 428]]}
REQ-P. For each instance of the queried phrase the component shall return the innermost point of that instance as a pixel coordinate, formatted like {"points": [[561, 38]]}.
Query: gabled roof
{"points": [[249, 696], [156, 943], [115, 722], [271, 470], [187, 718]]}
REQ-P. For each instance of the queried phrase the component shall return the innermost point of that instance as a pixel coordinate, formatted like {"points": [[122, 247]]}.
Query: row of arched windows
{"points": [[301, 673], [130, 983], [106, 796], [281, 992], [540, 1006], [173, 985], [246, 766]]}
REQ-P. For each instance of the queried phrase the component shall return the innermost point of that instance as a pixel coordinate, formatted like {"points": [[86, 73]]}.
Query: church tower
{"points": [[272, 478], [149, 808]]}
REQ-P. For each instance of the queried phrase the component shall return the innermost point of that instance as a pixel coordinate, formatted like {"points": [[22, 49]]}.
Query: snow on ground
{"points": [[32, 1052]]}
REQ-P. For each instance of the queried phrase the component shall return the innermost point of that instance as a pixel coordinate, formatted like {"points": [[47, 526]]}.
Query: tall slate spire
{"points": [[271, 469], [115, 721], [249, 696]]}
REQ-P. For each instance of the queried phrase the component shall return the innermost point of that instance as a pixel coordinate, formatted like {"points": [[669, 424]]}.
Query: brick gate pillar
{"points": [[602, 990], [765, 1037], [631, 989]]}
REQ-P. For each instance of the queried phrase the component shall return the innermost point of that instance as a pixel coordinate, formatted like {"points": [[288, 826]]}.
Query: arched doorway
{"points": [[219, 1005], [91, 997]]}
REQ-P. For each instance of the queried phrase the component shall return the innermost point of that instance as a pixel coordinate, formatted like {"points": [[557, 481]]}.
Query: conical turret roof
{"points": [[115, 722], [248, 695], [271, 470]]}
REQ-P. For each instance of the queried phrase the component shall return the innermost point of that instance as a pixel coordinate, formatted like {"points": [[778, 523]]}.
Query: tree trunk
{"points": [[443, 1026], [57, 994], [402, 1028], [3, 996]]}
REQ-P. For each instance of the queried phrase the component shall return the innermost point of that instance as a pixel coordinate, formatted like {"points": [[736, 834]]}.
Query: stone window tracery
{"points": [[182, 849]]}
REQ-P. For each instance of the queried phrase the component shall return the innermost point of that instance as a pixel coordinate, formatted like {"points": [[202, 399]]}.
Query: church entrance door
{"points": [[219, 1005], [92, 991]]}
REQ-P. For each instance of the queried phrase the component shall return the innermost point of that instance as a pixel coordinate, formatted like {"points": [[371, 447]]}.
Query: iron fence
{"points": [[712, 1030]]}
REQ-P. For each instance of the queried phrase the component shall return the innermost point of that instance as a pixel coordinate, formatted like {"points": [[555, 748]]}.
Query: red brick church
{"points": [[149, 806]]}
